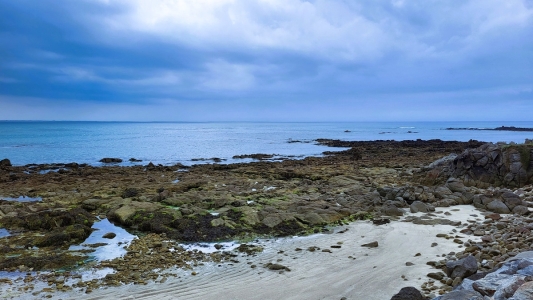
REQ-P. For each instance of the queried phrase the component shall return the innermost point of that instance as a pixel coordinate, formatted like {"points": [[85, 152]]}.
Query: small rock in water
{"points": [[409, 264], [109, 235]]}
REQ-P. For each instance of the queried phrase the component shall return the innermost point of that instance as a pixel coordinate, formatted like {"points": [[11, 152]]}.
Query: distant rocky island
{"points": [[501, 128]]}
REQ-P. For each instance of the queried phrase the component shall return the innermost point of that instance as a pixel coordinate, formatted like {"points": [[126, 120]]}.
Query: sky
{"points": [[266, 60]]}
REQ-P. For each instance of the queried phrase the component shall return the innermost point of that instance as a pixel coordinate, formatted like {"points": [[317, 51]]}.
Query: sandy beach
{"points": [[352, 271]]}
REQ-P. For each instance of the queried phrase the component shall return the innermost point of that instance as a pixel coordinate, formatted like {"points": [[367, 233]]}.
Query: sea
{"points": [[47, 142]]}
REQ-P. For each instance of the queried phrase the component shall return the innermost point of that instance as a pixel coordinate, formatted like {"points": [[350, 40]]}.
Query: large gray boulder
{"points": [[390, 209], [498, 206], [455, 185], [418, 206]]}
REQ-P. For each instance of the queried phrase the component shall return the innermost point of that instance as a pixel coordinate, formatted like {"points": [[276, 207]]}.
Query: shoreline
{"points": [[350, 271], [371, 180]]}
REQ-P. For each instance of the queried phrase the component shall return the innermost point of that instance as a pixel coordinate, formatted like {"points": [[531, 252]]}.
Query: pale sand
{"points": [[376, 273]]}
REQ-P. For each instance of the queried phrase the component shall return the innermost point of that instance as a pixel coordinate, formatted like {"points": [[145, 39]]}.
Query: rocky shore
{"points": [[48, 208]]}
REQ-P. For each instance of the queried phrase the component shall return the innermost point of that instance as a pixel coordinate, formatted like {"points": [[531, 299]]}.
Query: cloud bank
{"points": [[266, 60]]}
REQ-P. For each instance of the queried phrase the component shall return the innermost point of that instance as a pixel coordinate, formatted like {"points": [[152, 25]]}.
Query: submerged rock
{"points": [[110, 160]]}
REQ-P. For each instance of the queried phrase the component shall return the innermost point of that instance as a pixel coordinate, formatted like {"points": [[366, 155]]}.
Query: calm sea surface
{"points": [[170, 143]]}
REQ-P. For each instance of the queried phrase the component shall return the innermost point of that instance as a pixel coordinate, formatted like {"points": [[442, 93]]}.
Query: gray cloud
{"points": [[277, 60]]}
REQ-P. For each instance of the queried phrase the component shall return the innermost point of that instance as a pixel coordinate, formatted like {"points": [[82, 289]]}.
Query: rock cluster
{"points": [[489, 165], [512, 281]]}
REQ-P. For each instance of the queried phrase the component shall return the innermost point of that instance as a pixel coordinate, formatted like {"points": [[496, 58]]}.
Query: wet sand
{"points": [[352, 271]]}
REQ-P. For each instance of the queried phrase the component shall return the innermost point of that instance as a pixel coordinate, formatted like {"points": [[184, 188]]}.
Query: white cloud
{"points": [[333, 30]]}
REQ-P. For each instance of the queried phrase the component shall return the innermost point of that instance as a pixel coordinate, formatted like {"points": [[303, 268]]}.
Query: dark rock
{"points": [[408, 293], [109, 235], [380, 221], [436, 276], [130, 192], [277, 267], [110, 160], [462, 268], [248, 249], [5, 163], [370, 245], [135, 160]]}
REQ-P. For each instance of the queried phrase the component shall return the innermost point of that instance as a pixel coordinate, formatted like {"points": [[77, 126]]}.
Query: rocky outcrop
{"points": [[502, 201], [507, 165], [488, 165]]}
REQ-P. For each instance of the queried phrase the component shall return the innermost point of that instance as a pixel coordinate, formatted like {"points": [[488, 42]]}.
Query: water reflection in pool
{"points": [[115, 246]]}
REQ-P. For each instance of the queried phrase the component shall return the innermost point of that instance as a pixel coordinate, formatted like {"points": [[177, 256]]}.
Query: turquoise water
{"points": [[170, 143]]}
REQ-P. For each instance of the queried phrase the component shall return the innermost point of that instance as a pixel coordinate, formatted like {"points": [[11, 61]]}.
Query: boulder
{"points": [[408, 293], [455, 185], [498, 206], [311, 218], [487, 286], [123, 213], [418, 206], [249, 215], [462, 268], [462, 295], [524, 292], [508, 288], [511, 200], [271, 221], [391, 210], [520, 210]]}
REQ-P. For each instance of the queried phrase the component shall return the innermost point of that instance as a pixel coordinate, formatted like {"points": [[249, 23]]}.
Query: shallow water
{"points": [[115, 247], [22, 199], [4, 233]]}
